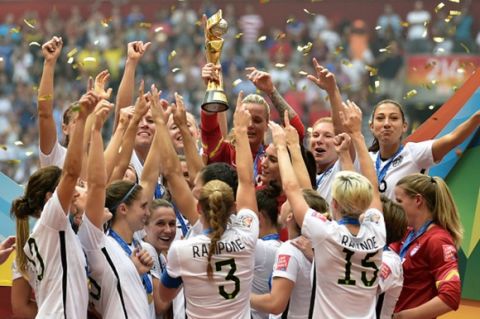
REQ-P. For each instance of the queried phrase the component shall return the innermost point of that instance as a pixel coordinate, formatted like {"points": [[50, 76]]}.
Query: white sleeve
{"points": [[422, 153], [91, 237], [286, 263], [53, 215], [315, 226], [56, 156], [246, 221], [174, 268], [156, 270], [373, 219], [16, 274]]}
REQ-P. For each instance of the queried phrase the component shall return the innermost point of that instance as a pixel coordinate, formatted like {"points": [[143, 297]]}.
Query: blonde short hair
{"points": [[353, 192], [258, 99]]}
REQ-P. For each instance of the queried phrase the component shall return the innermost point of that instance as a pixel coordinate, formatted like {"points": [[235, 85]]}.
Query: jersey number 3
{"points": [[347, 280], [230, 276]]}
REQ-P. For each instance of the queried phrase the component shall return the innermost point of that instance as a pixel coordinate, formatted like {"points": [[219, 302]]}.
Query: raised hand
{"points": [[142, 260], [136, 49], [291, 133], [141, 105], [324, 79], [6, 248], [241, 117], [126, 114], [158, 106], [262, 80], [52, 48], [101, 112], [278, 134], [210, 72], [178, 111], [100, 81], [351, 117], [342, 143], [304, 245], [87, 103]]}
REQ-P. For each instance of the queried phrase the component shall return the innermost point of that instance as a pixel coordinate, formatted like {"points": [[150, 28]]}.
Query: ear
{"points": [[419, 200], [405, 127], [122, 210], [64, 129], [48, 195]]}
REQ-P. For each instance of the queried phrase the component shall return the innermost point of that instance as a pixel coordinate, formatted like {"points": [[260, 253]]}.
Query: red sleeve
{"points": [[443, 260], [296, 122], [215, 149]]}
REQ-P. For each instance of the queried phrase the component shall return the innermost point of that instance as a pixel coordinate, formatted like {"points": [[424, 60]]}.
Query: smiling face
{"points": [[270, 168], [175, 134], [161, 228], [388, 124], [137, 213], [145, 131], [258, 125], [322, 145]]}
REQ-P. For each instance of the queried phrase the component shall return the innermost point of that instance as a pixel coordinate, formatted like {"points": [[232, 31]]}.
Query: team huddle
{"points": [[173, 219]]}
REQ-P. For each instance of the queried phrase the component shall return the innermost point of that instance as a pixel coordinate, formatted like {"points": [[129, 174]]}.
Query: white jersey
{"points": [[347, 266], [117, 288], [227, 295], [56, 156], [325, 179], [291, 263], [414, 158], [56, 265], [391, 282], [264, 259]]}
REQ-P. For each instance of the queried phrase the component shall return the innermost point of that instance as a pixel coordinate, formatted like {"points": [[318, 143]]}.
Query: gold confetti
{"points": [[430, 64], [72, 52], [371, 89], [448, 19], [172, 55], [431, 107], [279, 65], [3, 147], [430, 84], [292, 84], [264, 1], [310, 130], [308, 12], [158, 29], [146, 25], [18, 143], [28, 153], [438, 39], [461, 70], [175, 70], [372, 71], [105, 22], [338, 50], [262, 38], [290, 20], [198, 23], [377, 84], [454, 88], [378, 27], [455, 12], [410, 94], [47, 97], [70, 60], [385, 49], [440, 50], [34, 44], [238, 35], [15, 30], [405, 24], [13, 162], [89, 59], [439, 7], [305, 49], [303, 73], [237, 82], [96, 42], [347, 63], [424, 34], [30, 23], [465, 47], [280, 36], [454, 1]]}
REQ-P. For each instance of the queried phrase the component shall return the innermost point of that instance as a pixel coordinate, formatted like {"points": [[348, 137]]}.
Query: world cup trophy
{"points": [[215, 99]]}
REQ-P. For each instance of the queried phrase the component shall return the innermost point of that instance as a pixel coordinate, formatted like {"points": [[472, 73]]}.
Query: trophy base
{"points": [[215, 101]]}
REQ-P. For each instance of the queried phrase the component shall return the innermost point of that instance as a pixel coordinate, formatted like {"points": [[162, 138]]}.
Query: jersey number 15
{"points": [[347, 280]]}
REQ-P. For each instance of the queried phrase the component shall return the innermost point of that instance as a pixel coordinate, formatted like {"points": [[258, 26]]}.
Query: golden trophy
{"points": [[215, 99]]}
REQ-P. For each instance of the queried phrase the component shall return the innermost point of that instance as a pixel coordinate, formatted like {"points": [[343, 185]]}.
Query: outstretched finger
{"points": [[239, 101], [141, 89], [90, 84], [286, 119]]}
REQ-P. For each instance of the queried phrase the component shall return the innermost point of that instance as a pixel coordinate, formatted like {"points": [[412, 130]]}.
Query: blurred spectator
{"points": [[250, 24], [417, 36], [389, 20]]}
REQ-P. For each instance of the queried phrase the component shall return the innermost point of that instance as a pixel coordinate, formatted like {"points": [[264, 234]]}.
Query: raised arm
{"points": [[151, 168], [263, 81], [141, 108], [73, 160], [342, 147], [194, 160], [351, 117], [246, 189], [210, 72], [135, 51], [293, 144], [112, 151], [446, 143], [46, 124], [289, 180], [276, 301], [96, 172]]}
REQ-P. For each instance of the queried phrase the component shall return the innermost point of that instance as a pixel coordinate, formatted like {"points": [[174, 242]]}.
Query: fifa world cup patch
{"points": [[282, 262], [319, 216], [385, 271], [246, 221], [449, 253]]}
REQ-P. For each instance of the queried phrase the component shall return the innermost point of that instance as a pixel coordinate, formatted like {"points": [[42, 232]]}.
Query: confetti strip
{"points": [[279, 65], [238, 35], [146, 25], [30, 23], [347, 63], [3, 147], [303, 73], [455, 12], [237, 82], [378, 27], [158, 29], [290, 20], [13, 162], [172, 55], [29, 153], [439, 7], [280, 36], [410, 94], [438, 39], [308, 12], [70, 60], [175, 70], [34, 44], [431, 107], [105, 22], [371, 70], [89, 59], [377, 84], [454, 1], [305, 49], [18, 143], [465, 47], [15, 30], [262, 38], [72, 52]]}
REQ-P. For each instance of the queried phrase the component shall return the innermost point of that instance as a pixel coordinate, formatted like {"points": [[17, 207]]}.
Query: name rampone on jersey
{"points": [[201, 250], [366, 244]]}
